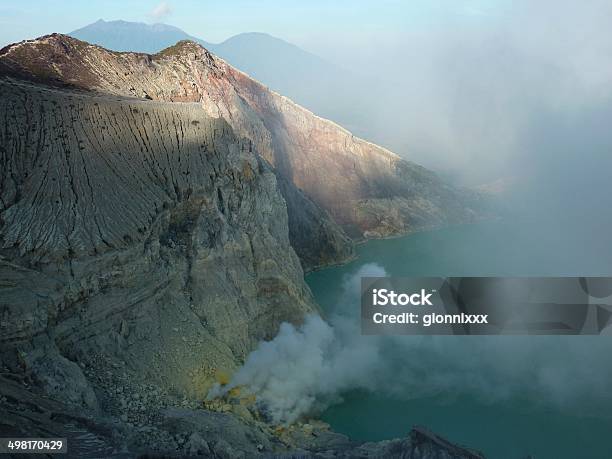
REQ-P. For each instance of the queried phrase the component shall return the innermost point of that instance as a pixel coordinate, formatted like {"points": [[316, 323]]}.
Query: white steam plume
{"points": [[306, 369]]}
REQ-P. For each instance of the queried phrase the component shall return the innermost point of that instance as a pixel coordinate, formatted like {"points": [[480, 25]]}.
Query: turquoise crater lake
{"points": [[507, 421]]}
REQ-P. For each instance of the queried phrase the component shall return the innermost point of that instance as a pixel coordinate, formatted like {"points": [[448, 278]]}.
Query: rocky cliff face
{"points": [[151, 209], [184, 432], [367, 190], [141, 231]]}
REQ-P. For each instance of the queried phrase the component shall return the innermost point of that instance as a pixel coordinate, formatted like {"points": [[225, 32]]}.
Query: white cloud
{"points": [[161, 11]]}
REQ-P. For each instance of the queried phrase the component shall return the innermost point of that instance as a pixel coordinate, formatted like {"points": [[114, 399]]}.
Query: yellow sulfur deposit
{"points": [[222, 377]]}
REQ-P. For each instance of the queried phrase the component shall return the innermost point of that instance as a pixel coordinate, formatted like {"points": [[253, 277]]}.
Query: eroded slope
{"points": [[138, 230], [368, 190]]}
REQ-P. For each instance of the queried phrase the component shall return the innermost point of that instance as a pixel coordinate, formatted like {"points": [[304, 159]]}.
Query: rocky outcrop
{"points": [[316, 238], [188, 432], [367, 190], [151, 208], [138, 230]]}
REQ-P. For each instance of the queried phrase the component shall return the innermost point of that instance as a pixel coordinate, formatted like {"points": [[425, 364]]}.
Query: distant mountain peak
{"points": [[255, 40], [255, 34], [119, 35]]}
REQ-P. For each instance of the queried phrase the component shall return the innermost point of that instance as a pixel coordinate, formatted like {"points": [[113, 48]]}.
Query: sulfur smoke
{"points": [[305, 369]]}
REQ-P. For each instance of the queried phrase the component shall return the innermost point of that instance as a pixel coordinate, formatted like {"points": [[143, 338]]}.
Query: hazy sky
{"points": [[456, 85], [215, 20]]}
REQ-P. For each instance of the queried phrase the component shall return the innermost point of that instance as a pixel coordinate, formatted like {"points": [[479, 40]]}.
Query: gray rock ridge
{"points": [[52, 51], [141, 231], [367, 190], [189, 432], [145, 248]]}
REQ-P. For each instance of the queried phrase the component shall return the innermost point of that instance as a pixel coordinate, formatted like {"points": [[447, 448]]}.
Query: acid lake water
{"points": [[516, 423]]}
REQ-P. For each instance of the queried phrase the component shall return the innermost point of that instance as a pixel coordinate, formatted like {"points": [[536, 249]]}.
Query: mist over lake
{"points": [[543, 395]]}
